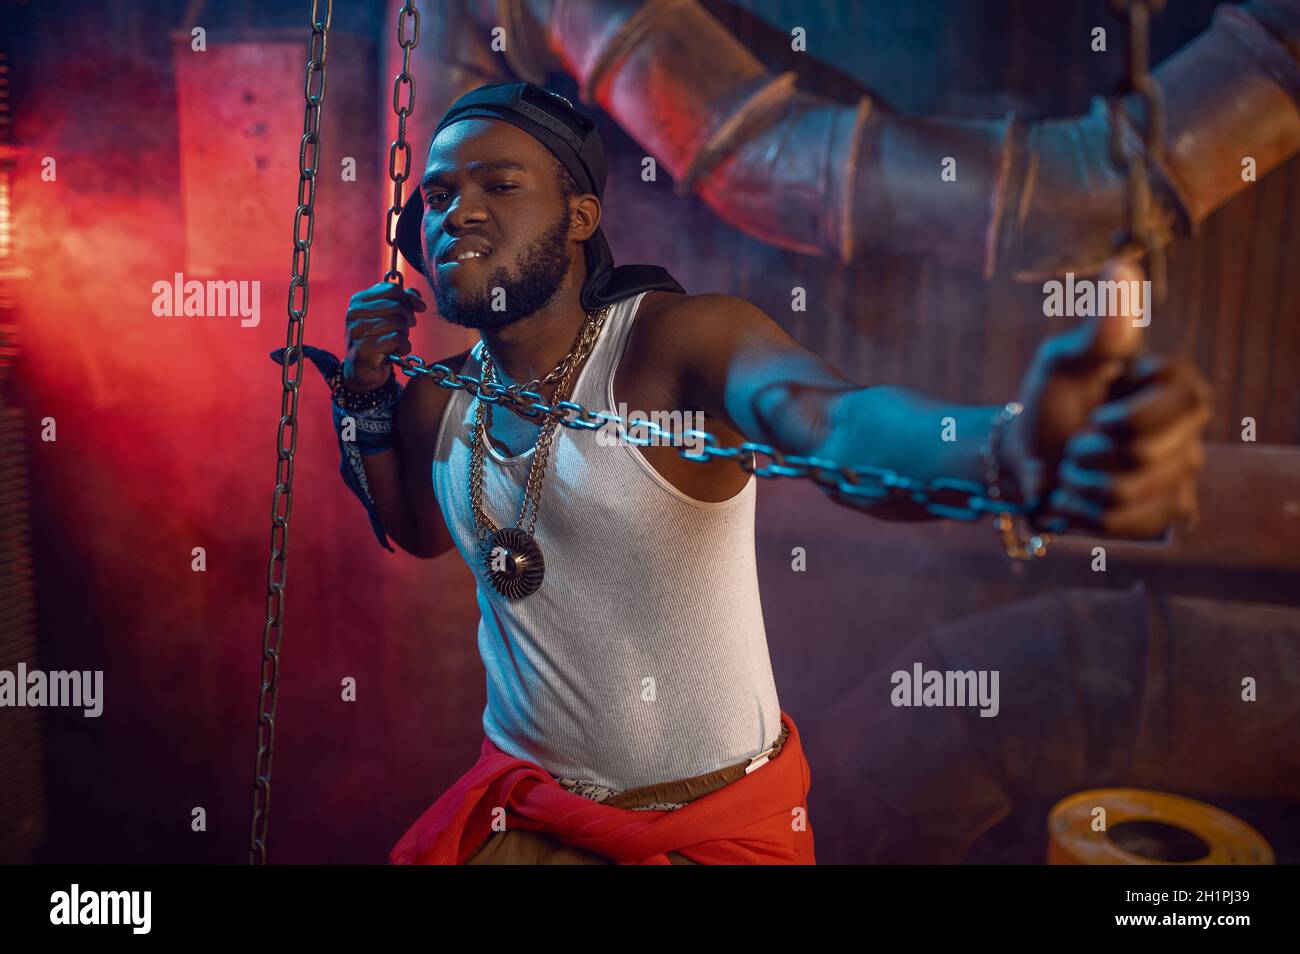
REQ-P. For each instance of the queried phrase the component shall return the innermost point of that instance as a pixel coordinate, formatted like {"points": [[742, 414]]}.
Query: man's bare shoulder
{"points": [[685, 313], [677, 328], [674, 334], [423, 401], [671, 324]]}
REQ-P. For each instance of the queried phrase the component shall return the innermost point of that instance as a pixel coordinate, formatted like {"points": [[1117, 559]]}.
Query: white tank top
{"points": [[643, 657]]}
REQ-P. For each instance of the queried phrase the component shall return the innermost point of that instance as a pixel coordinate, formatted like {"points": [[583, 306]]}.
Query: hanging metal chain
{"points": [[400, 146], [944, 496], [1141, 235], [290, 377]]}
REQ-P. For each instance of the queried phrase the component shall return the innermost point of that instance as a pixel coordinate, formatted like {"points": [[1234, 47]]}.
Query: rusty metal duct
{"points": [[820, 177]]}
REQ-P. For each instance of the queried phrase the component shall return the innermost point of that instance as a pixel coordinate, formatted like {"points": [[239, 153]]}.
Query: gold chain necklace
{"points": [[512, 555]]}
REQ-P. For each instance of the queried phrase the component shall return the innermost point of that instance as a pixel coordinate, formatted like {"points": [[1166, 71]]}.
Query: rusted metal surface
{"points": [[238, 112]]}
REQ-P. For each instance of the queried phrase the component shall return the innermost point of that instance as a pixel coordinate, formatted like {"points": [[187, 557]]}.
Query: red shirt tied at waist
{"points": [[758, 819]]}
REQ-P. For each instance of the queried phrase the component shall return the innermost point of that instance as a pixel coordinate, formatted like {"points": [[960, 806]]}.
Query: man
{"points": [[632, 713]]}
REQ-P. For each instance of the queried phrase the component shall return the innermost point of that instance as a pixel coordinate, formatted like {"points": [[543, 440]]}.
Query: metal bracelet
{"points": [[993, 476], [385, 395], [1028, 546]]}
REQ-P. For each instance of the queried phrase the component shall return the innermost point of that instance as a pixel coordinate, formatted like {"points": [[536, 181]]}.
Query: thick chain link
{"points": [[944, 496], [1141, 234], [404, 81], [290, 377]]}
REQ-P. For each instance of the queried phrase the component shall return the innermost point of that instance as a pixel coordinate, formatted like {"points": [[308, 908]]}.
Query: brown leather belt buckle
{"points": [[761, 759]]}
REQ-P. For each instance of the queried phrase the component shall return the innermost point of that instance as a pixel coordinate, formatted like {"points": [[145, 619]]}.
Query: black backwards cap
{"points": [[574, 139]]}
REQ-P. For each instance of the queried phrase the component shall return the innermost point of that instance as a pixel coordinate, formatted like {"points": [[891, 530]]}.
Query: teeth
{"points": [[464, 255]]}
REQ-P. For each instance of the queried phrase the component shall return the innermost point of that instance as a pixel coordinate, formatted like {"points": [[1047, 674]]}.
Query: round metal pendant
{"points": [[514, 562]]}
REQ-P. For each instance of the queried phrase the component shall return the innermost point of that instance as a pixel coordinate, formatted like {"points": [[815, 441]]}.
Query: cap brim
{"points": [[408, 231]]}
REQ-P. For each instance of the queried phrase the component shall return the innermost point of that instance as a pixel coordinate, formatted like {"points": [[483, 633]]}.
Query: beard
{"points": [[542, 268]]}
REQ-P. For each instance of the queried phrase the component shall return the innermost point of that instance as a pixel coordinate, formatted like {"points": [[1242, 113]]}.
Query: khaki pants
{"points": [[525, 847], [521, 847]]}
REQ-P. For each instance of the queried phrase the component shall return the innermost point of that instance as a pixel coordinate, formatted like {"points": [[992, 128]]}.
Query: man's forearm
{"points": [[384, 479], [913, 434]]}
